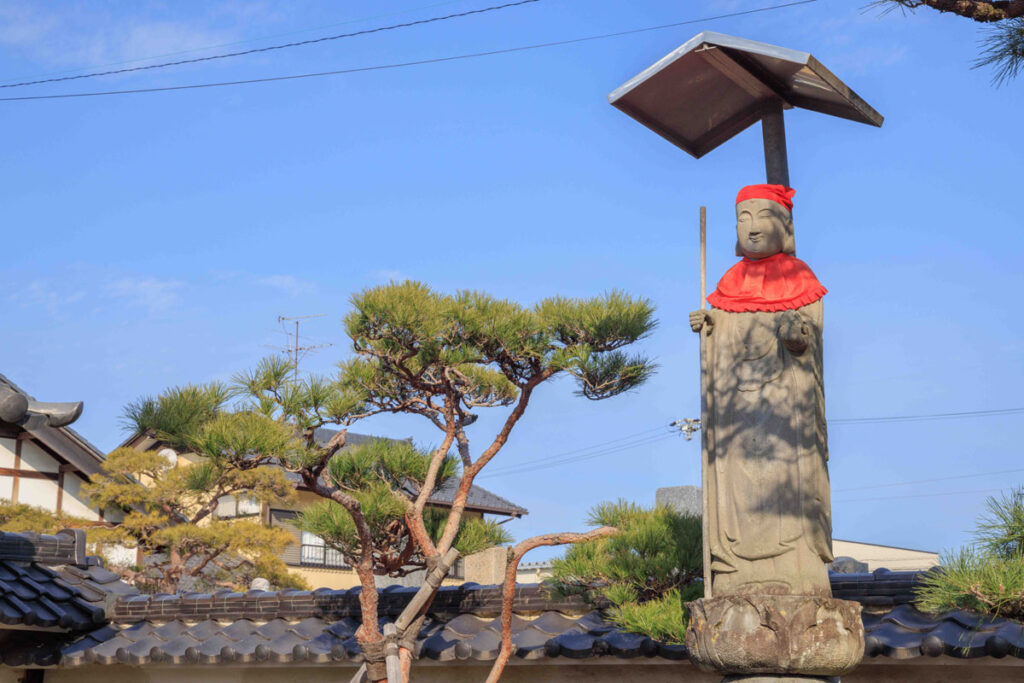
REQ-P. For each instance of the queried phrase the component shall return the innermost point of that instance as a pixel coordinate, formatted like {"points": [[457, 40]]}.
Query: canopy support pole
{"points": [[776, 161]]}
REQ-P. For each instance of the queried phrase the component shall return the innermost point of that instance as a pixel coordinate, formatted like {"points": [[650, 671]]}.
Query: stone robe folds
{"points": [[769, 522]]}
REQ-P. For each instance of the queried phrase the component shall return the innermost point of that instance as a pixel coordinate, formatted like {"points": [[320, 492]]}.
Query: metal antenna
{"points": [[295, 347]]}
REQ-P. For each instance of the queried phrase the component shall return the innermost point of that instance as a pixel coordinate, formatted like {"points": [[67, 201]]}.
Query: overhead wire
{"points": [[932, 416], [521, 469], [584, 449], [241, 42], [269, 48], [917, 495], [928, 481], [398, 65], [611, 447]]}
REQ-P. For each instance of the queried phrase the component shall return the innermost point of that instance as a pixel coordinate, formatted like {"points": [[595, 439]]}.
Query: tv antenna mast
{"points": [[295, 348]]}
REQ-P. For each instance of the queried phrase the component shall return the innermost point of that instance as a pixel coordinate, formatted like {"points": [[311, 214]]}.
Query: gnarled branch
{"points": [[508, 589], [984, 11]]}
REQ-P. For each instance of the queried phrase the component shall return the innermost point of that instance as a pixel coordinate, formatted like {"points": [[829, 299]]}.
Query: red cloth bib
{"points": [[781, 282]]}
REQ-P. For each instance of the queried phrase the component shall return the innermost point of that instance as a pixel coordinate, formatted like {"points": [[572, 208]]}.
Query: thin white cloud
{"points": [[289, 284], [390, 275], [40, 293], [151, 293], [89, 35]]}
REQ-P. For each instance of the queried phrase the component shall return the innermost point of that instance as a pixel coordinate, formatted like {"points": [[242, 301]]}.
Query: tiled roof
{"points": [[319, 627], [450, 602], [47, 582], [480, 499], [63, 439], [325, 641], [905, 633]]}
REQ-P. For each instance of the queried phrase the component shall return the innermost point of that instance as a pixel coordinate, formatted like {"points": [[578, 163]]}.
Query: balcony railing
{"points": [[321, 556], [329, 558]]}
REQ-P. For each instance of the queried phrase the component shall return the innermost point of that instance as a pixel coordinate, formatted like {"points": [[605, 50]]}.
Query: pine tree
{"points": [[169, 510], [1003, 44], [987, 576], [415, 351], [645, 573], [445, 358], [17, 517]]}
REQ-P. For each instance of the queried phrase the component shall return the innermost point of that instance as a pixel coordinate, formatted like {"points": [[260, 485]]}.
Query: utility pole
{"points": [[295, 347]]}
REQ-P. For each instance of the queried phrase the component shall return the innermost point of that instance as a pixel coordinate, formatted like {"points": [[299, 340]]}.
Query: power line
{"points": [[398, 65], [595, 452], [523, 468], [932, 416], [917, 495], [243, 42], [610, 447], [629, 437], [928, 481], [270, 48]]}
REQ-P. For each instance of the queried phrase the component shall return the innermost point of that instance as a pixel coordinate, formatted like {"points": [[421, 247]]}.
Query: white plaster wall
{"points": [[74, 503], [35, 458], [7, 460], [876, 556], [120, 556], [7, 452], [40, 492]]}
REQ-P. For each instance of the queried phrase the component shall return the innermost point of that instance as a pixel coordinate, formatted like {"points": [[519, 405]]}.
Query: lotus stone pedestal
{"points": [[775, 638]]}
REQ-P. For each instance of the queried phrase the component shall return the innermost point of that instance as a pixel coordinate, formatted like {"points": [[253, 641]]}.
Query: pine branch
{"points": [[508, 588], [984, 11]]}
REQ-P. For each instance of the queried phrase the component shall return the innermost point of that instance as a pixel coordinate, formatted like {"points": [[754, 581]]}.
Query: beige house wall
{"points": [[889, 557]]}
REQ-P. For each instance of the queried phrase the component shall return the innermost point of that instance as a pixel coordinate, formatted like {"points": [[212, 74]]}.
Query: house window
{"points": [[237, 506], [315, 553]]}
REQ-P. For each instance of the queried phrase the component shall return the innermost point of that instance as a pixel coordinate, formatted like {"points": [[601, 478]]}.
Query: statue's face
{"points": [[762, 227]]}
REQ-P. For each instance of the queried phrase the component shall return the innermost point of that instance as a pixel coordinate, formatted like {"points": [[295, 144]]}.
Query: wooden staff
{"points": [[704, 461]]}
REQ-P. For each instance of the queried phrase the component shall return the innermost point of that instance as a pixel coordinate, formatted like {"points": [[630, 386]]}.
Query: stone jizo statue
{"points": [[769, 521]]}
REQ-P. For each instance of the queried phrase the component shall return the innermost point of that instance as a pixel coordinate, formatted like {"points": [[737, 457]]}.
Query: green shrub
{"points": [[646, 572], [987, 577]]}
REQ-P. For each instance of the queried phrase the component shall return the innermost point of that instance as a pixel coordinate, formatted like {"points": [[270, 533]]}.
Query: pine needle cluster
{"points": [[1002, 46], [169, 510], [444, 357], [23, 517], [988, 576], [382, 476], [647, 572]]}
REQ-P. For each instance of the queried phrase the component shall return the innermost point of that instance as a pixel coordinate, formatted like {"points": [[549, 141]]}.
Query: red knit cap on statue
{"points": [[780, 194], [780, 282]]}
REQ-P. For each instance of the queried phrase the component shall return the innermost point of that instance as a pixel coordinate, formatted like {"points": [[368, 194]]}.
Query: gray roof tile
{"points": [[55, 593], [319, 637]]}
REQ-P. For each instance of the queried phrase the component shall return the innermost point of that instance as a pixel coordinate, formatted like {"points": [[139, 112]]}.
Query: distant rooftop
{"points": [[480, 499]]}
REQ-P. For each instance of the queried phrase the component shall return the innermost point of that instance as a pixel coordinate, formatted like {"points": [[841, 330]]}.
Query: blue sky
{"points": [[154, 239]]}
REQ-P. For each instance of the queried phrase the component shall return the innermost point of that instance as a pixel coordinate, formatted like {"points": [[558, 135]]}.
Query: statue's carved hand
{"points": [[795, 332], [701, 319]]}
